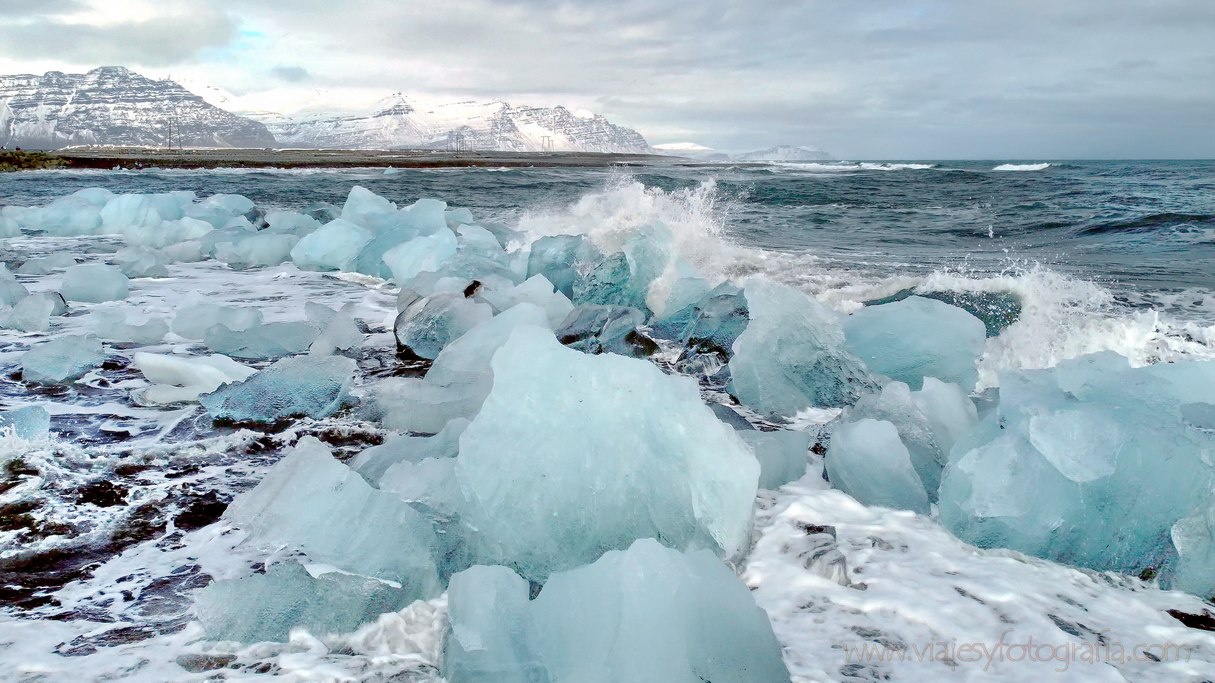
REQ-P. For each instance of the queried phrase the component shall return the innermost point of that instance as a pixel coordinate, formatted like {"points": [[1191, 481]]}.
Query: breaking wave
{"points": [[1022, 167]]}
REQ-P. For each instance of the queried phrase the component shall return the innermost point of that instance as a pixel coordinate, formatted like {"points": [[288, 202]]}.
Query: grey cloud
{"points": [[291, 74], [24, 8], [160, 41]]}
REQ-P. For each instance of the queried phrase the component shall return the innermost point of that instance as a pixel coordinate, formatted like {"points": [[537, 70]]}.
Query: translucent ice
{"points": [[94, 283], [218, 209], [781, 455], [311, 502], [1194, 538], [419, 255], [563, 260], [140, 262], [431, 323], [593, 328], [181, 379], [261, 342], [289, 223], [339, 331], [33, 313], [613, 282], [30, 423], [635, 454], [49, 264], [334, 246], [373, 462], [61, 360], [112, 325], [265, 607], [300, 386], [369, 210], [1090, 463], [708, 326], [648, 614], [193, 321], [867, 460], [256, 250], [791, 355], [915, 338], [11, 292], [535, 290], [158, 235]]}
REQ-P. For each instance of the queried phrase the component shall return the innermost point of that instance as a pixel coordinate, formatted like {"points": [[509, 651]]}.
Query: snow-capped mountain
{"points": [[400, 122], [785, 153], [116, 106]]}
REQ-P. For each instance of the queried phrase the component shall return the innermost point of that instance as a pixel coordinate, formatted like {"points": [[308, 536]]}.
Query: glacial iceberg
{"points": [[868, 461], [61, 360], [915, 338], [94, 283], [428, 324], [334, 246], [300, 386], [177, 379]]}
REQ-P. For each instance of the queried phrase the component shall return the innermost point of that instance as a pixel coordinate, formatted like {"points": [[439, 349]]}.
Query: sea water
{"points": [[113, 523]]}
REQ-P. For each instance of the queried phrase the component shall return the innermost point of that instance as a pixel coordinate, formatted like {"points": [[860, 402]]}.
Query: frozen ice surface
{"points": [[1090, 463], [781, 455], [159, 235], [369, 210], [137, 216], [459, 379], [33, 313], [265, 607], [791, 355], [256, 250], [76, 214], [867, 461], [49, 264], [593, 328], [311, 502], [535, 290], [374, 461], [613, 282], [635, 454], [193, 321], [219, 209], [140, 262], [112, 325], [94, 283], [563, 260], [339, 331], [334, 246], [915, 338], [431, 323], [9, 227], [291, 223], [181, 379], [1194, 538], [645, 614], [11, 292], [430, 483], [61, 360], [420, 255], [31, 423], [262, 342], [300, 386]]}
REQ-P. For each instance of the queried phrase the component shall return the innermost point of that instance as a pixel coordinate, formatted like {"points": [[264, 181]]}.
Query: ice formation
{"points": [[334, 246], [93, 283], [300, 386], [791, 355], [595, 328], [192, 321], [868, 461], [562, 260], [915, 338], [428, 324], [177, 379], [30, 423], [636, 455], [61, 360], [645, 614], [781, 455]]}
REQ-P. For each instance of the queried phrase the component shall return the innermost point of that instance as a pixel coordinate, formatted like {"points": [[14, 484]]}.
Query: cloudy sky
{"points": [[876, 79]]}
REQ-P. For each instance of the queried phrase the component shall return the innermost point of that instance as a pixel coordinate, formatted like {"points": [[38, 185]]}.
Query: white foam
{"points": [[1022, 167]]}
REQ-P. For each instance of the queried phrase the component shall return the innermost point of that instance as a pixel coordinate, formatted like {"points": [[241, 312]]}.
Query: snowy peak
{"points": [[398, 122], [114, 105]]}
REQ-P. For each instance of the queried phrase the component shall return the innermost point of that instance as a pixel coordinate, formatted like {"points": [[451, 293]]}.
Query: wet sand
{"points": [[132, 157]]}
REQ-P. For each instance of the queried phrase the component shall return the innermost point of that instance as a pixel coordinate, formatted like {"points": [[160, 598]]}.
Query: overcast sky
{"points": [[1037, 79]]}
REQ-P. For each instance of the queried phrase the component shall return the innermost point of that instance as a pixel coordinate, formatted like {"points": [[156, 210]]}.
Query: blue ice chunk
{"points": [[1194, 538], [61, 360], [612, 282], [647, 614], [867, 461], [781, 455], [94, 283], [420, 255], [335, 246], [291, 223], [707, 327], [373, 462], [265, 607], [368, 210], [563, 260], [33, 313], [1091, 463], [31, 423], [308, 502], [218, 209], [11, 292], [256, 250], [300, 386], [193, 321], [261, 342], [636, 454], [47, 265], [791, 355], [431, 323], [112, 325], [592, 328], [915, 338], [140, 262], [536, 290]]}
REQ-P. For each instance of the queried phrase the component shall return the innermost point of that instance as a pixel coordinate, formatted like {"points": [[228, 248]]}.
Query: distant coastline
{"points": [[135, 157]]}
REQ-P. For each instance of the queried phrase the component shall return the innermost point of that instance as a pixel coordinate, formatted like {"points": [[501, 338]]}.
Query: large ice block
{"points": [[256, 250], [373, 462], [31, 423], [420, 255], [563, 260], [299, 386], [311, 502], [867, 461], [573, 454], [265, 607], [791, 355], [61, 360], [112, 325], [140, 262], [593, 328], [334, 246], [535, 290], [193, 321], [915, 338], [707, 327], [781, 455], [94, 283], [647, 614], [613, 282], [265, 341], [431, 323]]}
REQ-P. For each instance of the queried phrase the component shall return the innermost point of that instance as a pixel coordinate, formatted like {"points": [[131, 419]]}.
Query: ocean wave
{"points": [[1022, 167], [1151, 222]]}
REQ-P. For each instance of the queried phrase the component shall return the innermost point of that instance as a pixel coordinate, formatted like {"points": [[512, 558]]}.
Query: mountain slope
{"points": [[399, 122], [113, 105]]}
